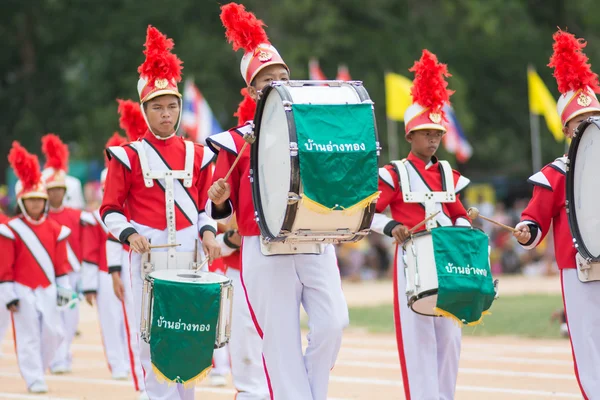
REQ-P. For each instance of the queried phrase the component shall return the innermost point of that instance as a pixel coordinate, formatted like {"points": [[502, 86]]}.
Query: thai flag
{"points": [[454, 140], [197, 120]]}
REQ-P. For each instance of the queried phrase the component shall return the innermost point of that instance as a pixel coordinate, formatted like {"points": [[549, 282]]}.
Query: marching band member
{"points": [[54, 176], [97, 286], [276, 285], [245, 344], [429, 347], [4, 313], [578, 85], [33, 263], [145, 173]]}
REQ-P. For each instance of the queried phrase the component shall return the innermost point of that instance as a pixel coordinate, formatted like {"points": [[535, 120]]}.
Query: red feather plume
{"points": [[242, 29], [246, 109], [160, 63], [429, 86], [56, 152], [571, 68], [25, 165], [115, 140], [131, 119]]}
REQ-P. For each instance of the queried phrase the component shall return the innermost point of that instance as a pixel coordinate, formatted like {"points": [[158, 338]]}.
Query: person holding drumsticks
{"points": [[578, 85], [276, 285], [164, 180], [429, 348]]}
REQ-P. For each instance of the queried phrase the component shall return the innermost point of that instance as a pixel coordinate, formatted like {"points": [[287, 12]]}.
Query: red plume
{"points": [[25, 165], [131, 119], [56, 152], [429, 86], [160, 62], [571, 68], [242, 28], [115, 140], [246, 109]]}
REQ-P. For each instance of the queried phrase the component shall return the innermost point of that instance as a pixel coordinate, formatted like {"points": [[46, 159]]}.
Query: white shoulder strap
{"points": [[146, 173], [189, 163], [448, 177], [404, 181]]}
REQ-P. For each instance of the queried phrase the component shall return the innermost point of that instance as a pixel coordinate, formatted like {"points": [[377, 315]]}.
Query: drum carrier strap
{"points": [[428, 198], [169, 177]]}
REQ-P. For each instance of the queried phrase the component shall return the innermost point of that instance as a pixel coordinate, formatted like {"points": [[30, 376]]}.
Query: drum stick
{"points": [[163, 246], [236, 161], [420, 224], [474, 213]]}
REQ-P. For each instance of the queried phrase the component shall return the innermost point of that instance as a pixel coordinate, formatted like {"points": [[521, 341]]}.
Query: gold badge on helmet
{"points": [[584, 100], [263, 56], [436, 118], [161, 83]]}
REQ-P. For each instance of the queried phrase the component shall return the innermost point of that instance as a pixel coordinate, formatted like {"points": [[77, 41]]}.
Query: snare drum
{"points": [[447, 270], [281, 163], [186, 314]]}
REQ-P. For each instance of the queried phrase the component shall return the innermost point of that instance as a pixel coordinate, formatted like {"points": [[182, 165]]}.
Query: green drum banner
{"points": [[337, 149], [184, 330]]}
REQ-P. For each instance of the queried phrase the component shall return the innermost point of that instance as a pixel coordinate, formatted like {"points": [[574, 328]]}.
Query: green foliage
{"points": [[64, 62], [525, 316]]}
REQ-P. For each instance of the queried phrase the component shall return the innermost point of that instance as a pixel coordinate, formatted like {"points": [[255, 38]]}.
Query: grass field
{"points": [[523, 316]]}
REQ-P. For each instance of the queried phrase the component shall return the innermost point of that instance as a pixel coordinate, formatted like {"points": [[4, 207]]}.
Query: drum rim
{"points": [[152, 279], [426, 232], [413, 299], [290, 213], [570, 195]]}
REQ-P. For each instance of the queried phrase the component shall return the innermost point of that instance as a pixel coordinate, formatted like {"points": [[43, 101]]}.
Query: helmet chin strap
{"points": [[176, 125], [27, 217]]}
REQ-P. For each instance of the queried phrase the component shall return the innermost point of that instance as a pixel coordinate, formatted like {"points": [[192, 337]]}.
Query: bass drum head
{"points": [[583, 189], [187, 276], [273, 168]]}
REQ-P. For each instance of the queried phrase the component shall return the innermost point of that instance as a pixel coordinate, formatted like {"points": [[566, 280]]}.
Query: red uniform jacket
{"points": [[547, 205], [3, 218], [77, 221], [410, 214], [33, 255], [228, 144], [146, 205]]}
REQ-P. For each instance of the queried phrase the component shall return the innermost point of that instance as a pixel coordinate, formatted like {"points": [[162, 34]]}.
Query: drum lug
{"points": [[287, 105], [293, 149], [293, 198]]}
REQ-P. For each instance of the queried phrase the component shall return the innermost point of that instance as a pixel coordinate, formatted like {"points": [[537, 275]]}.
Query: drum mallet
{"points": [[474, 213], [249, 138], [420, 224], [163, 246]]}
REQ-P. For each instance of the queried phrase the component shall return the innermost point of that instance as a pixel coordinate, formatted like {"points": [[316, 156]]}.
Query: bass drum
{"points": [[583, 189], [275, 169]]}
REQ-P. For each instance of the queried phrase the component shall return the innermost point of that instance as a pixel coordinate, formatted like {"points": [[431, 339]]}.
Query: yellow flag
{"points": [[541, 102], [397, 95]]}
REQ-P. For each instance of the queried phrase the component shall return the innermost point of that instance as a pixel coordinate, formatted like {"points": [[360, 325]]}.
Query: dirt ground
{"points": [[367, 368]]}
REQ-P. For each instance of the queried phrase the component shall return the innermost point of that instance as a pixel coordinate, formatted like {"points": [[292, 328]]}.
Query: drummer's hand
{"points": [[211, 247], [400, 233], [118, 286], [219, 192], [90, 298], [138, 243], [522, 234]]}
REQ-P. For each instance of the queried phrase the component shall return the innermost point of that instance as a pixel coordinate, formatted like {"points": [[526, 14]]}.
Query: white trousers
{"points": [[131, 328], [154, 389], [581, 301], [4, 322], [70, 320], [429, 347], [245, 347], [112, 325], [38, 331], [275, 287]]}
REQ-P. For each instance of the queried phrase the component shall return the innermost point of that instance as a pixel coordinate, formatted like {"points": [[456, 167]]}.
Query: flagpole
{"points": [[536, 148], [534, 124], [392, 139]]}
